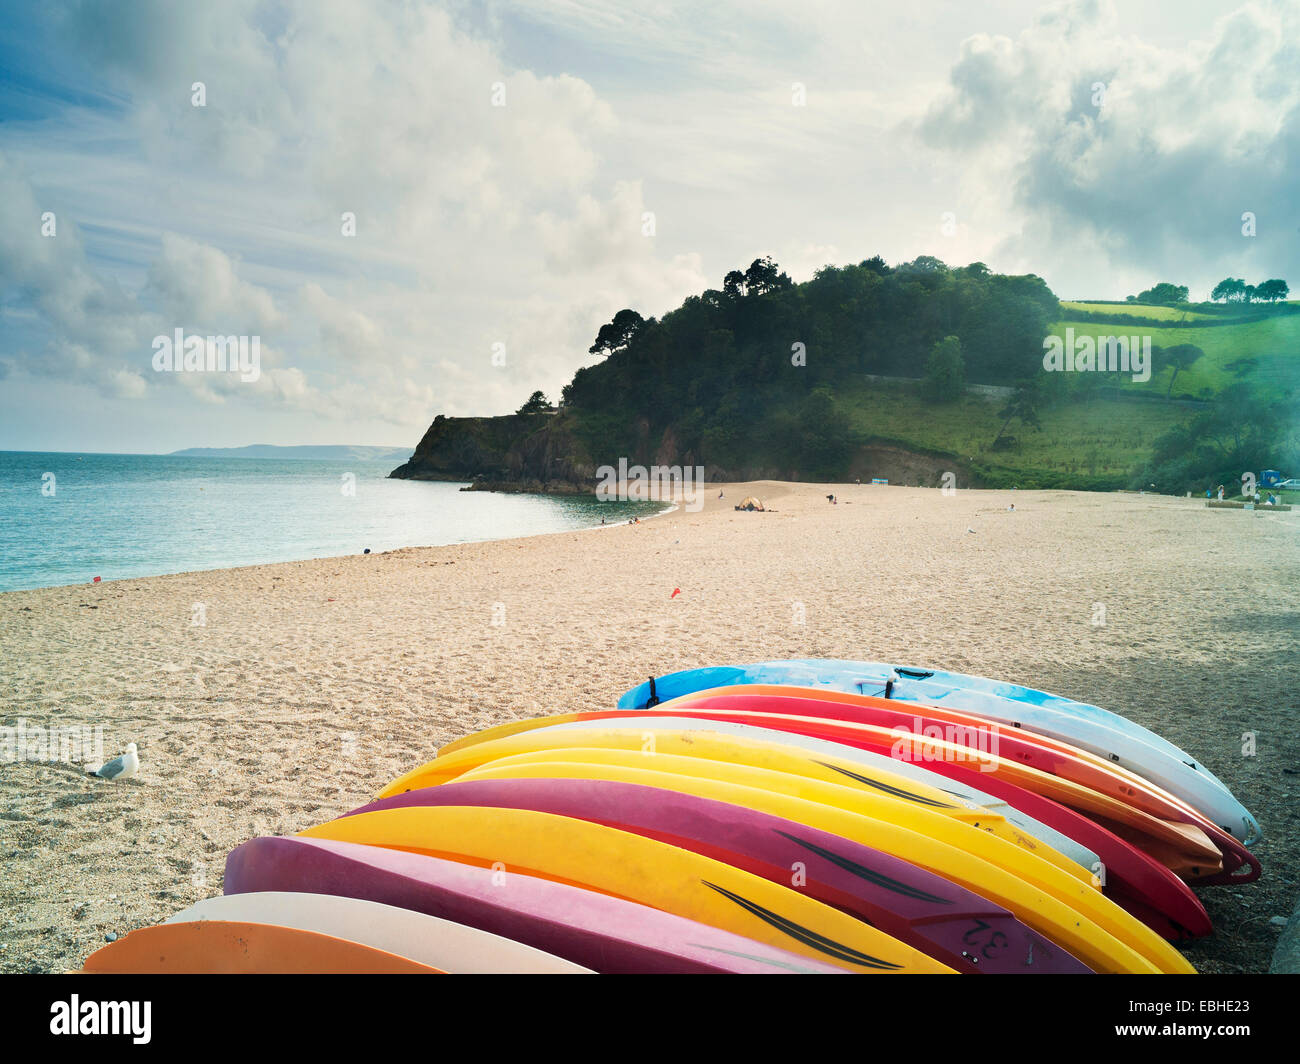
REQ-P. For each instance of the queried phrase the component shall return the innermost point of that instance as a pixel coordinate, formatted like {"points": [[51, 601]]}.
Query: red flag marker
{"points": [[676, 591], [96, 580]]}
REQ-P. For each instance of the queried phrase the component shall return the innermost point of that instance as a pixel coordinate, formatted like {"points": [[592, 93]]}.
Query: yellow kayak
{"points": [[1086, 923], [604, 859], [872, 791]]}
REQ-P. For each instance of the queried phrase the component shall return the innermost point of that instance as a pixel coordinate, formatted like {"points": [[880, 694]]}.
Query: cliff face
{"points": [[544, 453], [519, 452]]}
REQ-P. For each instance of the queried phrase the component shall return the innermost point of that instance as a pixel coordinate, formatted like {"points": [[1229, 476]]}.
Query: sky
{"points": [[519, 171]]}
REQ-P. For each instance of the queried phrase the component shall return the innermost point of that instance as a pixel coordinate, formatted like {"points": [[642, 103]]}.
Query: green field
{"points": [[1092, 438], [1263, 354], [1139, 310]]}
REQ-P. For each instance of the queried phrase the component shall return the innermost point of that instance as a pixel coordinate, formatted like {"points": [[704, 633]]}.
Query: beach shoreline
{"points": [[309, 685]]}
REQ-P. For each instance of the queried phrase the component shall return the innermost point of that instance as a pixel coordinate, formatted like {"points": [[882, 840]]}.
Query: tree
{"points": [[537, 403], [1022, 406], [1229, 290], [1164, 293], [945, 371], [926, 264], [1272, 291], [1178, 358], [764, 276], [733, 285], [615, 336]]}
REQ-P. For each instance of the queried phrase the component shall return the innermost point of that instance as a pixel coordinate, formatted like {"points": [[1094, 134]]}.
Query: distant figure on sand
{"points": [[1220, 493]]}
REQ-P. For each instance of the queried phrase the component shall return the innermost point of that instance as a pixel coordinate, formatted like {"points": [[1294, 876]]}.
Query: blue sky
{"points": [[523, 225]]}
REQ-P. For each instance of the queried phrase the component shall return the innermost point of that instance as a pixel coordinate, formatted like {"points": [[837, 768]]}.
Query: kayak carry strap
{"points": [[653, 700]]}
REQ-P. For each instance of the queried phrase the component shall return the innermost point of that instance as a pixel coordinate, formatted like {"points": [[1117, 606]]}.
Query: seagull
{"points": [[119, 768]]}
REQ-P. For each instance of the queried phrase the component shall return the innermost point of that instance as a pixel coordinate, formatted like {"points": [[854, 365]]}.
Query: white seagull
{"points": [[119, 768]]}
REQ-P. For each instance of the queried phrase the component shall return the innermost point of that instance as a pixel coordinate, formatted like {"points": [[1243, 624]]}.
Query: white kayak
{"points": [[441, 944]]}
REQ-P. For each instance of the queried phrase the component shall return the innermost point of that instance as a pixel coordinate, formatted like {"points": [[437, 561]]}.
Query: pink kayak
{"points": [[600, 932]]}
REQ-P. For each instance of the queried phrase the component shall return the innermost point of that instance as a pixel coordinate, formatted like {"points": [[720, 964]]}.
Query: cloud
{"points": [[197, 286], [1121, 156]]}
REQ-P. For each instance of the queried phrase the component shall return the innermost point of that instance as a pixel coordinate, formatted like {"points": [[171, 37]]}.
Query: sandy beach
{"points": [[310, 685]]}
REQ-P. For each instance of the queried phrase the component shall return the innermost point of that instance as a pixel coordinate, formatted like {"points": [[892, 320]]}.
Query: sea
{"points": [[68, 518]]}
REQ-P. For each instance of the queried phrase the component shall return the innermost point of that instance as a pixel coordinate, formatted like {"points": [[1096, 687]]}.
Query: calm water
{"points": [[119, 516]]}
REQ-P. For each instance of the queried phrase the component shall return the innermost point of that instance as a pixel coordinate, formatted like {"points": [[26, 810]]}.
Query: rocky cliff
{"points": [[516, 452], [547, 453]]}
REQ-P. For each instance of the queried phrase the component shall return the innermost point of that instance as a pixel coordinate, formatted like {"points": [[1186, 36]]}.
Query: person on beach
{"points": [[1220, 493]]}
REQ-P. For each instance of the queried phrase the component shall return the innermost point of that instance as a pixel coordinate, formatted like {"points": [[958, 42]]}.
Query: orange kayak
{"points": [[219, 947]]}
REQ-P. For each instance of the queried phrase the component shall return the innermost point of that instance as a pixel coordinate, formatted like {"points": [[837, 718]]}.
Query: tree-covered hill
{"points": [[840, 375]]}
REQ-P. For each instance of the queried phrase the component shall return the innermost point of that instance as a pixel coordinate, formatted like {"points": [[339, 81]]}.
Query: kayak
{"points": [[1182, 847], [1133, 879], [597, 931], [940, 919], [1063, 909], [873, 791], [441, 944], [1089, 727], [1049, 836], [913, 724], [236, 947], [643, 870]]}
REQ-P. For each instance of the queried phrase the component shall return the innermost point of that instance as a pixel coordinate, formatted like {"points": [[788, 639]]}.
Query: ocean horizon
{"points": [[68, 517]]}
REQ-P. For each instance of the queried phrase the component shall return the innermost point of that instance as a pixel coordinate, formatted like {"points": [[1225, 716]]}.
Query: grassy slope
{"points": [[1099, 437], [1095, 437], [1273, 343]]}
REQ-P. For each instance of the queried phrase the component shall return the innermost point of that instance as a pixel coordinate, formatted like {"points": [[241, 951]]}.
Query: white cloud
{"points": [[1152, 184]]}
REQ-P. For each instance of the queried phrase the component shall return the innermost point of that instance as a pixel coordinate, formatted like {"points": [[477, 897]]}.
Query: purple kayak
{"points": [[929, 913], [600, 932]]}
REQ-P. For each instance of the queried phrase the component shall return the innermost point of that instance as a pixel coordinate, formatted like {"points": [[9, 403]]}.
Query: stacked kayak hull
{"points": [[638, 869], [1080, 724], [592, 930], [1135, 880], [442, 944], [954, 926], [788, 817], [1235, 864]]}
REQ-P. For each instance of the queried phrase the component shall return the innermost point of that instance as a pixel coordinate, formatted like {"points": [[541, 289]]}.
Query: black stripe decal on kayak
{"points": [[808, 937], [887, 788], [879, 879]]}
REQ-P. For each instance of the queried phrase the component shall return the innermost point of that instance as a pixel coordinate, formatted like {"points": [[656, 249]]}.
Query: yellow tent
{"points": [[751, 503]]}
